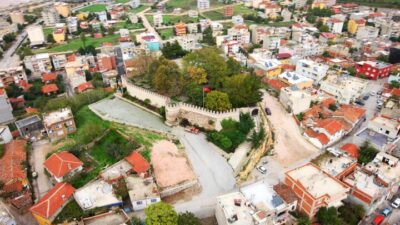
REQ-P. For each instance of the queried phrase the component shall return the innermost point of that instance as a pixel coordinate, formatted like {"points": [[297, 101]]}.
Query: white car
{"points": [[372, 93], [262, 169], [396, 203]]}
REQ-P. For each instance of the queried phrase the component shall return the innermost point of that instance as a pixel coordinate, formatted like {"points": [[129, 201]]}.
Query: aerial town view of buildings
{"points": [[200, 112]]}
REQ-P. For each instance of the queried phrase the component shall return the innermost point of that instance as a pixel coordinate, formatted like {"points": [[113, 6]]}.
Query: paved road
{"points": [[42, 184], [21, 219]]}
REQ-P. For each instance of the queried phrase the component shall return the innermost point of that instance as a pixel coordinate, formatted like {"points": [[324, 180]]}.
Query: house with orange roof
{"points": [[49, 78], [51, 204], [61, 165], [87, 86], [139, 163], [49, 89], [350, 149]]}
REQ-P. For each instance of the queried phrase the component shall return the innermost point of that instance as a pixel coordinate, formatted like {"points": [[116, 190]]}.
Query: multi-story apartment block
{"points": [[6, 115], [335, 25], [59, 124], [158, 19], [38, 64], [372, 69], [315, 189], [367, 32], [345, 89], [106, 62], [50, 17], [298, 4], [239, 33], [63, 9], [59, 35], [228, 11], [59, 61], [72, 24], [17, 17], [295, 100], [189, 42], [36, 35], [180, 29], [311, 69], [12, 76], [203, 4], [271, 42]]}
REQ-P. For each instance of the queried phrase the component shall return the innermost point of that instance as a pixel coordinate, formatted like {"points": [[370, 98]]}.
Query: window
{"points": [[139, 202], [154, 200]]}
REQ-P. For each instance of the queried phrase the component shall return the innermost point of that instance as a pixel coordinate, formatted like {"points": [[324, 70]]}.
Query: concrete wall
{"points": [[175, 189]]}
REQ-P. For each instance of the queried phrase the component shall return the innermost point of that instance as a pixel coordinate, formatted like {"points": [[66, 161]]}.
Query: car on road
{"points": [[366, 97], [192, 130], [378, 220], [359, 102], [262, 169], [386, 212], [396, 203], [268, 111], [372, 93]]}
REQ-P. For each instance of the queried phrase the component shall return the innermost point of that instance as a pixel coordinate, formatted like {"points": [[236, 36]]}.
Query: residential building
{"points": [[295, 100], [264, 65], [367, 32], [180, 29], [298, 4], [142, 192], [192, 28], [135, 4], [286, 15], [48, 78], [83, 87], [133, 17], [97, 194], [139, 164], [237, 20], [102, 16], [6, 28], [5, 135], [190, 42], [239, 33], [294, 79], [158, 19], [17, 17], [311, 69], [128, 50], [231, 208], [385, 126], [372, 69], [51, 204], [12, 76], [228, 11], [354, 24], [335, 25], [203, 4], [110, 78], [62, 165], [59, 123], [345, 89], [231, 47], [6, 218], [50, 17], [271, 42], [72, 24], [29, 125], [315, 189], [59, 61], [106, 62], [75, 70], [38, 64], [63, 9], [272, 10], [59, 35], [36, 35]]}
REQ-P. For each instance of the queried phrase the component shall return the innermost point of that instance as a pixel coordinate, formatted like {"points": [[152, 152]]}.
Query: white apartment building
{"points": [[17, 17], [38, 64], [36, 35], [6, 109], [189, 42], [128, 50], [311, 69], [135, 3], [345, 89], [295, 100], [271, 42], [367, 32], [385, 126], [203, 4], [239, 33], [59, 61], [72, 24], [12, 76], [102, 16], [335, 25], [158, 19], [50, 17], [298, 4]]}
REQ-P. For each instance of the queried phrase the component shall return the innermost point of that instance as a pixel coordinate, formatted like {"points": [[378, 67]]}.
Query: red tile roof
{"points": [[331, 125], [328, 35], [322, 138], [395, 92], [53, 200], [275, 83], [17, 100], [328, 101], [351, 149], [139, 163], [49, 77], [11, 169], [49, 88], [283, 55], [24, 84], [61, 163], [350, 113], [2, 91], [30, 110], [85, 86]]}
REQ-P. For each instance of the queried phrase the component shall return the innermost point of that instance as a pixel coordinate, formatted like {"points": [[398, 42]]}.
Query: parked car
{"points": [[359, 102], [366, 97], [262, 169], [396, 203], [378, 220], [386, 212], [192, 130], [379, 92], [268, 111], [372, 93]]}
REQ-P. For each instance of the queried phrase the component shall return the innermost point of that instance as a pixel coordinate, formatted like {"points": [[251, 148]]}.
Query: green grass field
{"points": [[129, 26], [241, 10], [166, 33], [171, 20], [188, 4], [214, 15], [121, 1], [75, 44], [47, 31], [99, 151], [139, 9], [94, 8]]}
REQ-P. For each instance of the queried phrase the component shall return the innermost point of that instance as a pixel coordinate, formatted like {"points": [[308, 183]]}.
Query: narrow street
{"points": [[42, 183]]}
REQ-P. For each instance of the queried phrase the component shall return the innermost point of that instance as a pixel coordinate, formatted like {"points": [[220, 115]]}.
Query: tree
{"points": [[50, 38], [83, 39], [168, 79], [173, 51], [328, 216], [210, 60], [8, 38], [197, 75], [218, 101], [13, 91], [394, 84], [188, 218], [243, 90], [195, 94], [233, 67], [333, 107], [208, 36], [351, 214], [367, 153], [135, 221], [257, 137], [161, 213]]}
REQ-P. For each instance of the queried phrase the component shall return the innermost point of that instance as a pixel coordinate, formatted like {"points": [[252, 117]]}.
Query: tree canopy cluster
{"points": [[164, 214]]}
